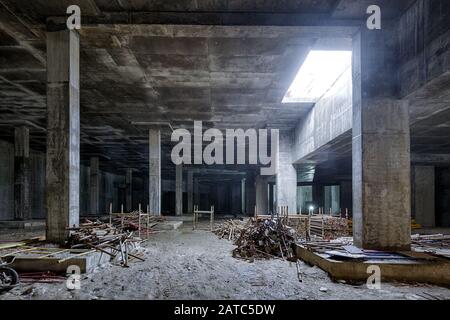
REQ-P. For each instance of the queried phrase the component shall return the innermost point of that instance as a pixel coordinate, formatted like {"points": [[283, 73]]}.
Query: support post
{"points": [[154, 181], [22, 201], [190, 191], [286, 179], [261, 196], [179, 190], [94, 185], [63, 134], [381, 146], [129, 189]]}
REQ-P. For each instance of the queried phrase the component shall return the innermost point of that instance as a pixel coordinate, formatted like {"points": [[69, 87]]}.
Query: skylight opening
{"points": [[317, 75]]}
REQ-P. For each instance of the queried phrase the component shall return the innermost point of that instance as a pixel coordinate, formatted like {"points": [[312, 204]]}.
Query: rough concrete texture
{"points": [[179, 190], [186, 264], [63, 134], [424, 195], [94, 186], [286, 177], [6, 181], [381, 149], [262, 196], [190, 191], [22, 196], [155, 171], [330, 118]]}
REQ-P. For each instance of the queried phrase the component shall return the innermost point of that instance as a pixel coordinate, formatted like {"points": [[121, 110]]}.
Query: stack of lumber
{"points": [[327, 227], [230, 229], [116, 239], [268, 238], [435, 244]]}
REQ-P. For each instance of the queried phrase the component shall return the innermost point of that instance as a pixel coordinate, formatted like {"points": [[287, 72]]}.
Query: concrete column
{"points": [[22, 201], [286, 179], [63, 134], [381, 146], [243, 196], [190, 191], [261, 195], [94, 185], [179, 190], [196, 192], [129, 189], [250, 194], [424, 195], [154, 184]]}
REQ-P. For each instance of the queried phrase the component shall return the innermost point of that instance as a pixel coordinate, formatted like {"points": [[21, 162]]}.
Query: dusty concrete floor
{"points": [[186, 264]]}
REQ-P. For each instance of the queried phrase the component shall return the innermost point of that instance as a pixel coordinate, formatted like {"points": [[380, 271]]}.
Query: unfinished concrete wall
{"points": [[424, 195], [6, 181], [424, 43], [443, 197], [37, 182], [330, 117], [37, 185]]}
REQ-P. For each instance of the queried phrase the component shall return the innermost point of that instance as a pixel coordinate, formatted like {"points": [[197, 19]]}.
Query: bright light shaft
{"points": [[318, 73]]}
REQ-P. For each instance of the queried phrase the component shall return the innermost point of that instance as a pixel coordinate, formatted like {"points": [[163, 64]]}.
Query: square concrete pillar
{"points": [[190, 191], [196, 192], [154, 181], [179, 190], [63, 134], [250, 194], [94, 185], [381, 147], [262, 195], [22, 201], [129, 189], [286, 179]]}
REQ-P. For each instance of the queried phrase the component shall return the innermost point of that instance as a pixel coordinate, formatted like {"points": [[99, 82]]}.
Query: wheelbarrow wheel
{"points": [[8, 277]]}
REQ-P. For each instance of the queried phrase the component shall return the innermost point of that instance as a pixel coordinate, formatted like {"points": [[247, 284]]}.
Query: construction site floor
{"points": [[187, 264]]}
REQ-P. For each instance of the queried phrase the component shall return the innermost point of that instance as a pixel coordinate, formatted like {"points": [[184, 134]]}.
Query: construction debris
{"points": [[269, 238], [436, 244], [230, 229], [118, 238]]}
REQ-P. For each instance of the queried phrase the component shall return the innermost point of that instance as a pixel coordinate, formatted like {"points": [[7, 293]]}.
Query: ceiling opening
{"points": [[317, 75]]}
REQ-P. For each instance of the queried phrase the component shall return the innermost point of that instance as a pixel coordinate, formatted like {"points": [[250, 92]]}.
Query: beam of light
{"points": [[317, 75]]}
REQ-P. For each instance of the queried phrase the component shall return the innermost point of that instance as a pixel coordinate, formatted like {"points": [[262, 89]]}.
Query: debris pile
{"points": [[265, 239], [120, 239], [230, 229], [435, 244]]}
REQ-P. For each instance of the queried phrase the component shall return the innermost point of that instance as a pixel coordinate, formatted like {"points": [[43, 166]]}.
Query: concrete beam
{"points": [[63, 134], [94, 185], [179, 190], [381, 146], [22, 201], [154, 183]]}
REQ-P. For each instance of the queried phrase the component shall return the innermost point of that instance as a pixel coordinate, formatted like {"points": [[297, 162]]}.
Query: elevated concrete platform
{"points": [[415, 268]]}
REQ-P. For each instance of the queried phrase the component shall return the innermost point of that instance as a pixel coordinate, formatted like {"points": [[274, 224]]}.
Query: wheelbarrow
{"points": [[8, 276]]}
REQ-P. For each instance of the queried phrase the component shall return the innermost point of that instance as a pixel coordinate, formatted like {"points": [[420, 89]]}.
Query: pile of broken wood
{"points": [[117, 239], [268, 238], [230, 229]]}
